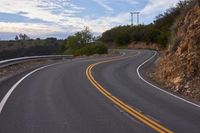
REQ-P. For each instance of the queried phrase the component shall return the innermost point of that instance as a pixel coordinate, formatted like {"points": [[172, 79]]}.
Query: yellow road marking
{"points": [[151, 123]]}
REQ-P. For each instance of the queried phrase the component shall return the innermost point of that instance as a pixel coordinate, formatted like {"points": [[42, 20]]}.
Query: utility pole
{"points": [[138, 17], [131, 18]]}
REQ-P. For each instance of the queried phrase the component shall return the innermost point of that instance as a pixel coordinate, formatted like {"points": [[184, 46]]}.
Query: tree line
{"points": [[123, 35]]}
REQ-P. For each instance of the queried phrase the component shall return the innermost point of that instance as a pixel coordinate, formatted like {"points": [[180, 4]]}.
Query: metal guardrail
{"points": [[8, 62]]}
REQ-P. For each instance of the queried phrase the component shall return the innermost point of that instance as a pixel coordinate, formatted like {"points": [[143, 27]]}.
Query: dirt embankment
{"points": [[179, 69], [144, 45]]}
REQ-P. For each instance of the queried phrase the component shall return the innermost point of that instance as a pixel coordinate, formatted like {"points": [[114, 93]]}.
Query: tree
{"points": [[16, 38], [80, 39], [85, 36], [26, 37], [83, 43], [23, 37]]}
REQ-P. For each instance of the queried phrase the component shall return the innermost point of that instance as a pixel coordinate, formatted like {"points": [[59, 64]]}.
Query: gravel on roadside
{"points": [[13, 70]]}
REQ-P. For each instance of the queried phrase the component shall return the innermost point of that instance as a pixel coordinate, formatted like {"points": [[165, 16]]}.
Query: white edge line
{"points": [[138, 73], [5, 98]]}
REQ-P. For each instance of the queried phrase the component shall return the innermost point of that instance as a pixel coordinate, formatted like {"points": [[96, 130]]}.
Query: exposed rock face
{"points": [[180, 70]]}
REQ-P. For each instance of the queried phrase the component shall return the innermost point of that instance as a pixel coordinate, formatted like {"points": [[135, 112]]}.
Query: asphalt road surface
{"points": [[108, 97]]}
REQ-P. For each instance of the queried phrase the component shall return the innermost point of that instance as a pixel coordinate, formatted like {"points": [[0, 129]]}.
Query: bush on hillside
{"points": [[160, 32], [91, 49], [83, 43], [124, 35]]}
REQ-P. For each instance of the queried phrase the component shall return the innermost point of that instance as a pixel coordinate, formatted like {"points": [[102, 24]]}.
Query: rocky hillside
{"points": [[179, 68]]}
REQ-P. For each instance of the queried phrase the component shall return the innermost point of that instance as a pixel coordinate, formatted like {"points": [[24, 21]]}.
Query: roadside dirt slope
{"points": [[179, 70]]}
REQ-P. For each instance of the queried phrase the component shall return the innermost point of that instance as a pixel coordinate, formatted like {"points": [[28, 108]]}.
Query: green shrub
{"points": [[83, 43], [123, 35], [91, 49], [101, 48]]}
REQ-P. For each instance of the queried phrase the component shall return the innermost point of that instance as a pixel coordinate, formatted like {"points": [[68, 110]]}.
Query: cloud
{"points": [[21, 13], [104, 4], [99, 24], [104, 23], [33, 29], [40, 9], [54, 17], [71, 26], [51, 14], [156, 6], [133, 2]]}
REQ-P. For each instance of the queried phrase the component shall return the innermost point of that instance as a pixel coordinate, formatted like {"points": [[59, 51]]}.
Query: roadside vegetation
{"points": [[159, 32], [30, 47], [124, 35], [84, 43], [81, 43]]}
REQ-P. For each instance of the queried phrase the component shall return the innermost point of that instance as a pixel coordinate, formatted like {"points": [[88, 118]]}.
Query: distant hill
{"points": [[14, 49]]}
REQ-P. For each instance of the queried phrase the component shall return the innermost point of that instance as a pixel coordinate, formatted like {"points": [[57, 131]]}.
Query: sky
{"points": [[61, 18]]}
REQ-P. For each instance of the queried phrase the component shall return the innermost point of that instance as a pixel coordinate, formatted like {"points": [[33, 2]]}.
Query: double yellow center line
{"points": [[126, 108]]}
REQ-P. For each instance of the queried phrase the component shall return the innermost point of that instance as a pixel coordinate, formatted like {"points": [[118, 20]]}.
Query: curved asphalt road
{"points": [[60, 99]]}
